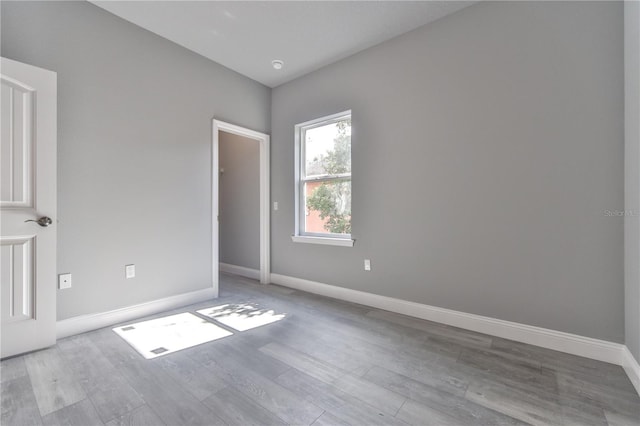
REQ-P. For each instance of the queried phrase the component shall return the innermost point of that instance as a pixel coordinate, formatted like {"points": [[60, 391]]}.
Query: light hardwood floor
{"points": [[326, 363]]}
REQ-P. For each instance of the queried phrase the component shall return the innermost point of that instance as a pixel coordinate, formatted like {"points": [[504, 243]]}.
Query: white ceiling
{"points": [[247, 35]]}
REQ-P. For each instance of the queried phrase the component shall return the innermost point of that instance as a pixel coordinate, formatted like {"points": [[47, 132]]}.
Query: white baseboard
{"points": [[600, 350], [631, 366], [240, 270], [84, 323]]}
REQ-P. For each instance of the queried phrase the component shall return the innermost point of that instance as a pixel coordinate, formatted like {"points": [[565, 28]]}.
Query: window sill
{"points": [[343, 242]]}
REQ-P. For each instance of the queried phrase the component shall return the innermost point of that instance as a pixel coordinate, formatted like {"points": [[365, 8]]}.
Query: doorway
{"points": [[264, 203]]}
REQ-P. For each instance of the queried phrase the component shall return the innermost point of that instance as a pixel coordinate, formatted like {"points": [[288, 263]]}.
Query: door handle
{"points": [[44, 221]]}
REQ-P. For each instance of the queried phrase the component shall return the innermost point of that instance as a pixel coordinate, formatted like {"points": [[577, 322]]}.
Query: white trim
{"points": [[84, 323], [557, 340], [326, 119], [300, 177], [344, 242], [240, 270], [265, 254], [631, 189], [632, 368]]}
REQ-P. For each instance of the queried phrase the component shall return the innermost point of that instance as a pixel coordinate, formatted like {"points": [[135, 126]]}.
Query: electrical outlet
{"points": [[275, 205], [367, 265], [130, 271], [64, 281]]}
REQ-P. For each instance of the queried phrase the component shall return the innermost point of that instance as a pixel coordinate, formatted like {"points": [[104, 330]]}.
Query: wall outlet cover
{"points": [[130, 271], [64, 281]]}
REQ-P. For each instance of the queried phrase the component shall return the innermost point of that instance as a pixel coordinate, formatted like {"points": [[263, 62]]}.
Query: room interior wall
{"points": [[134, 156], [239, 200], [487, 166], [632, 176]]}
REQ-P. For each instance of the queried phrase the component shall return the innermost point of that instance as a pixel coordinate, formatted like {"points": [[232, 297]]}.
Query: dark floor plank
{"points": [[612, 400], [388, 401], [366, 391], [328, 419], [248, 354], [141, 416], [303, 362], [19, 406], [277, 289], [235, 409], [580, 413], [365, 331], [393, 380], [54, 384], [12, 368], [505, 367], [192, 376], [109, 392], [321, 394], [414, 413], [334, 348], [585, 368], [620, 420], [280, 401], [361, 355], [457, 408], [81, 413], [162, 394], [518, 404], [358, 413], [489, 367], [459, 335]]}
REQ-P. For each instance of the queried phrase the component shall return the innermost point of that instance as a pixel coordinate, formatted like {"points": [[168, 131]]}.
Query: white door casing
{"points": [[28, 138], [265, 241]]}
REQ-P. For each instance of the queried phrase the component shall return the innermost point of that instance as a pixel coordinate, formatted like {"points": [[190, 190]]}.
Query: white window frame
{"points": [[301, 236]]}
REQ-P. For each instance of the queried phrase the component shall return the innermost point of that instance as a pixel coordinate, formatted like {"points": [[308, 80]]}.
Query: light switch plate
{"points": [[64, 281], [367, 265], [130, 271]]}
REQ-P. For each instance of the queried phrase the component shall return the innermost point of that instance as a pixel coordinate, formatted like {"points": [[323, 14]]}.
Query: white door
{"points": [[27, 192]]}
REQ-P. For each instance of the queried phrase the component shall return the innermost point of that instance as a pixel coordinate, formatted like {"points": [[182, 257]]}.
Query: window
{"points": [[323, 180]]}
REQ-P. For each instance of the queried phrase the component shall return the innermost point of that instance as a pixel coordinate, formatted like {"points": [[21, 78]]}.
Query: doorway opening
{"points": [[263, 141]]}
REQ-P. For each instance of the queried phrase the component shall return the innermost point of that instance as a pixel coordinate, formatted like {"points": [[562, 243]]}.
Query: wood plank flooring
{"points": [[326, 363]]}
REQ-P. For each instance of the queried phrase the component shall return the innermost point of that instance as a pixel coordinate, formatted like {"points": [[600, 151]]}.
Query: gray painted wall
{"points": [[632, 176], [487, 147], [134, 150], [239, 201]]}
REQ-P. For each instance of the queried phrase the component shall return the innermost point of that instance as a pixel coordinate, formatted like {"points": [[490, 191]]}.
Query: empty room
{"points": [[320, 213]]}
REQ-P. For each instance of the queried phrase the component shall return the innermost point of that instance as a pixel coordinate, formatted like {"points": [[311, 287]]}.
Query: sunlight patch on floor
{"points": [[169, 334], [242, 316]]}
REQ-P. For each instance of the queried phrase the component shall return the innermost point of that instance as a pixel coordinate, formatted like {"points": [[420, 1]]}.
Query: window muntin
{"points": [[324, 177]]}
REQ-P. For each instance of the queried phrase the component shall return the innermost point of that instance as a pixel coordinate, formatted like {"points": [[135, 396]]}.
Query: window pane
{"points": [[328, 207], [328, 149]]}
